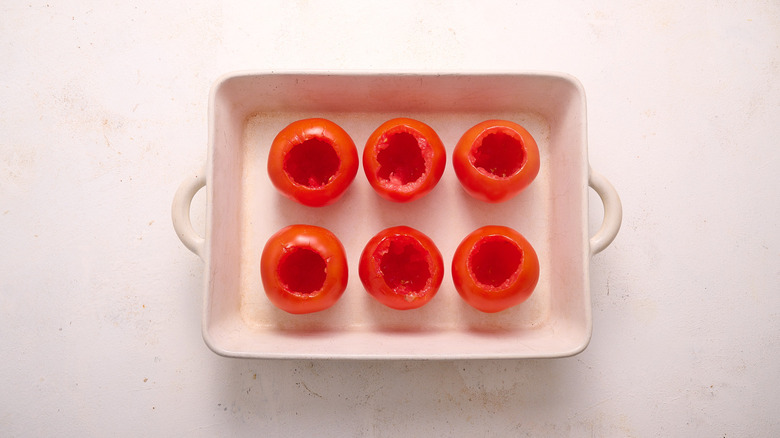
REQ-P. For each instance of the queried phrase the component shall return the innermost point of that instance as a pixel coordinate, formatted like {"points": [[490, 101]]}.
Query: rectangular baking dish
{"points": [[246, 110]]}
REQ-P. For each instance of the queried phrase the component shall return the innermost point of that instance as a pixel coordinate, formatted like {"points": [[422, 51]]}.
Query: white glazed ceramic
{"points": [[246, 111]]}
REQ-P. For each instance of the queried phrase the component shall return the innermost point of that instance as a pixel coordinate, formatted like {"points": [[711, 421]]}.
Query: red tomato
{"points": [[312, 161], [495, 268], [402, 268], [495, 160], [404, 159], [304, 269]]}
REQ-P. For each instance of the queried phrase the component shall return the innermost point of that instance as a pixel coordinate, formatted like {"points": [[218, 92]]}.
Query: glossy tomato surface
{"points": [[304, 269], [312, 161], [495, 160], [402, 268], [495, 268], [404, 159]]}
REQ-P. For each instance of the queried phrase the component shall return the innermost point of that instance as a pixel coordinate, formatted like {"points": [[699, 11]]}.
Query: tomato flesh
{"points": [[404, 265], [499, 154], [494, 261], [404, 159], [400, 159], [495, 268], [495, 160], [302, 270], [312, 163], [401, 268]]}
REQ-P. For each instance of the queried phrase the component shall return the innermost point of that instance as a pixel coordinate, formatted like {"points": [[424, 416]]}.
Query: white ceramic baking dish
{"points": [[246, 110]]}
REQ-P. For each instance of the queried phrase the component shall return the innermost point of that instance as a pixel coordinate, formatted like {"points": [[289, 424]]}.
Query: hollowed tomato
{"points": [[312, 161], [404, 159], [402, 268], [495, 268], [304, 269], [495, 160]]}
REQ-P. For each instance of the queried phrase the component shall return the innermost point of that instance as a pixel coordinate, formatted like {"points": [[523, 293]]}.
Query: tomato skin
{"points": [[429, 154], [376, 271], [343, 161], [307, 240], [468, 266], [480, 182]]}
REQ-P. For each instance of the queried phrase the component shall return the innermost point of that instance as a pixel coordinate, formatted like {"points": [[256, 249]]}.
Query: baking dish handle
{"points": [[180, 212], [613, 212]]}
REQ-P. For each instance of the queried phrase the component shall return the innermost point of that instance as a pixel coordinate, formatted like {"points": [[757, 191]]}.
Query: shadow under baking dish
{"points": [[248, 110]]}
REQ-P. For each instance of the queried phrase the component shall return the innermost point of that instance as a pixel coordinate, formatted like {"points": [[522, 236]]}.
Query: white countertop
{"points": [[104, 113]]}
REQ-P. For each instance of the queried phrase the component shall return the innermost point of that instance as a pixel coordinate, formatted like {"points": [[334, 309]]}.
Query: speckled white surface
{"points": [[104, 112]]}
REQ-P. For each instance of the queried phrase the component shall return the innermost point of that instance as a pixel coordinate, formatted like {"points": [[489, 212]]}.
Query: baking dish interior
{"points": [[246, 110]]}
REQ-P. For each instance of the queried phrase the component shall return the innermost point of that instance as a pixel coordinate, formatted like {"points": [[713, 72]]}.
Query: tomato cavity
{"points": [[499, 154], [404, 265], [494, 261], [400, 159], [302, 270], [312, 163]]}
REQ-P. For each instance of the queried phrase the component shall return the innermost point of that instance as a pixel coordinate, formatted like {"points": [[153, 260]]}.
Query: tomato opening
{"points": [[302, 270], [404, 265], [400, 159], [494, 261], [499, 154], [312, 163]]}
